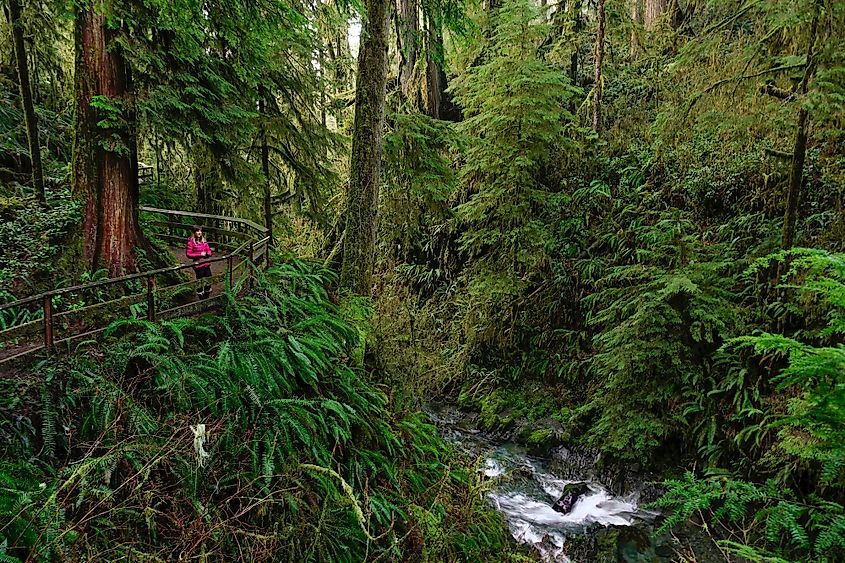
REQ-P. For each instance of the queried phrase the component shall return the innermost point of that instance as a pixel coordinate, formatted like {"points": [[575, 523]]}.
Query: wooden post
{"points": [[48, 324], [151, 299], [250, 264], [267, 255], [231, 265]]}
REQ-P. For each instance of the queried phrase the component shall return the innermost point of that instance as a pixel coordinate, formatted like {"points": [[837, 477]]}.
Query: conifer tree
{"points": [[105, 166], [365, 167], [30, 119], [515, 122]]}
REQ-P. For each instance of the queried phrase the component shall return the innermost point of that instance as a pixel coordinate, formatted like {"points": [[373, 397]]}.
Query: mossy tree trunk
{"points": [[365, 173], [799, 151], [265, 169], [29, 117], [636, 22], [654, 10], [574, 8], [105, 160], [407, 43], [599, 60], [437, 104]]}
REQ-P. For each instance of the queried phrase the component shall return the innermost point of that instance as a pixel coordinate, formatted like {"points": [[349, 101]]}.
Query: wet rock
{"points": [[571, 493], [614, 544], [574, 462]]}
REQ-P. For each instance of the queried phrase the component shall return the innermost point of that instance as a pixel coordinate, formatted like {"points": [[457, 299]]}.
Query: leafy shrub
{"points": [[32, 237]]}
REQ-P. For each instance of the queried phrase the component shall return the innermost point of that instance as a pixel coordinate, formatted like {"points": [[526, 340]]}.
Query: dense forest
{"points": [[614, 227]]}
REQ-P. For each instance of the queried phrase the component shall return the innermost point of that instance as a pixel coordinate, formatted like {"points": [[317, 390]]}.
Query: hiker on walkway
{"points": [[198, 250]]}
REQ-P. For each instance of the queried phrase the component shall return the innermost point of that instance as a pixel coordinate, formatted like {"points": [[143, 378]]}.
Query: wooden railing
{"points": [[69, 315]]}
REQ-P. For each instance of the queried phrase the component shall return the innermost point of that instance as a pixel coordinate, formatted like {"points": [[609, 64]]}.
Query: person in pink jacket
{"points": [[198, 249]]}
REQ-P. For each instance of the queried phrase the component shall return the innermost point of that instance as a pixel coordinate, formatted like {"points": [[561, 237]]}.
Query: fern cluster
{"points": [[300, 457]]}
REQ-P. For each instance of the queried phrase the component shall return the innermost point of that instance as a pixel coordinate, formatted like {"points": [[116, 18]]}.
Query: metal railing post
{"points": [[48, 324], [151, 299]]}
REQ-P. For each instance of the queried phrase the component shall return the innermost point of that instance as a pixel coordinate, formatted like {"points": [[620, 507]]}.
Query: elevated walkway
{"points": [[63, 318]]}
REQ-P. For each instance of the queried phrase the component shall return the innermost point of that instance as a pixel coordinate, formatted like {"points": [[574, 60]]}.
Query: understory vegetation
{"points": [[249, 435]]}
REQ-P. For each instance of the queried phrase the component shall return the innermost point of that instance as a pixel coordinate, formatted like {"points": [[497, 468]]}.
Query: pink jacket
{"points": [[196, 248]]}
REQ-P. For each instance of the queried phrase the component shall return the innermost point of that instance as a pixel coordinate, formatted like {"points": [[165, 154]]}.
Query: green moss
{"points": [[540, 436], [491, 405]]}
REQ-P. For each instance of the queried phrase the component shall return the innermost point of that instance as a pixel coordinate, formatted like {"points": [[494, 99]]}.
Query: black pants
{"points": [[203, 291]]}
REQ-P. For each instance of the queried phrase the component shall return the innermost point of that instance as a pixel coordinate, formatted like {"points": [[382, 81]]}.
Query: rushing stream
{"points": [[524, 489]]}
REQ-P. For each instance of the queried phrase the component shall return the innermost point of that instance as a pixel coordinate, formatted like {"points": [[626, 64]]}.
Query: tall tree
{"points": [[30, 119], [407, 42], [105, 165], [799, 151], [438, 103], [365, 167], [517, 123], [267, 203], [636, 21], [599, 61], [574, 7], [654, 10]]}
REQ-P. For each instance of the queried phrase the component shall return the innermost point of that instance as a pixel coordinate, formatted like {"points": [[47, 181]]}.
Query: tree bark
{"points": [[438, 102], [407, 32], [636, 21], [265, 169], [365, 173], [577, 23], [799, 152], [435, 78], [654, 10], [105, 160], [597, 88], [29, 117]]}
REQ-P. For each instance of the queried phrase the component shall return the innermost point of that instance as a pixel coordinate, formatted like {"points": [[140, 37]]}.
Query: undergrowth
{"points": [[245, 435]]}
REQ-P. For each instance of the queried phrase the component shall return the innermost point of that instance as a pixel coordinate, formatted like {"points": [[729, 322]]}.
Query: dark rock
{"points": [[571, 493], [616, 544]]}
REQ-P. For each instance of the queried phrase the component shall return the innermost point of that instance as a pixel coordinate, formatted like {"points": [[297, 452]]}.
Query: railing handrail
{"points": [[258, 237], [260, 228], [137, 275]]}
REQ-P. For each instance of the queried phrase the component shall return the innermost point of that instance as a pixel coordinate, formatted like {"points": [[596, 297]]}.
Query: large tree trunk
{"points": [[29, 117], [636, 21], [438, 102], [799, 152], [265, 169], [435, 78], [407, 42], [597, 88], [577, 22], [365, 174], [654, 10], [105, 161]]}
